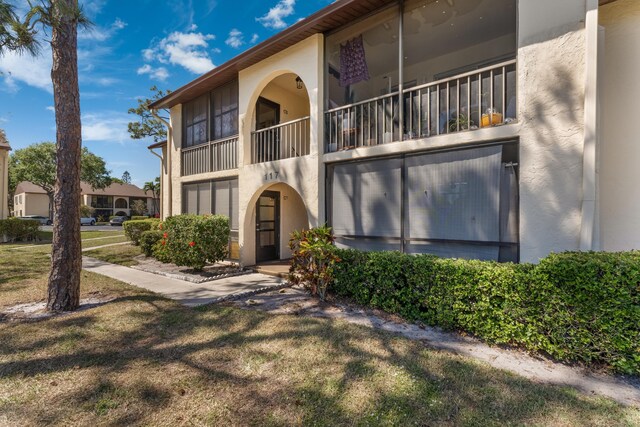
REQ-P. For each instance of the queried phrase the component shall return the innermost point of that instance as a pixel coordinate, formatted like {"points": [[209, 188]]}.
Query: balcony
{"points": [[464, 102], [210, 157], [282, 141]]}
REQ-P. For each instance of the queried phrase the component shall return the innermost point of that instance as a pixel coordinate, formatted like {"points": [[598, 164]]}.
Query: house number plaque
{"points": [[271, 176]]}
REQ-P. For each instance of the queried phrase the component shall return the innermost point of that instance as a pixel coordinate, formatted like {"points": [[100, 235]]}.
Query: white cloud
{"points": [[254, 38], [160, 73], [105, 126], [34, 71], [236, 38], [189, 50], [275, 17], [50, 108], [101, 34]]}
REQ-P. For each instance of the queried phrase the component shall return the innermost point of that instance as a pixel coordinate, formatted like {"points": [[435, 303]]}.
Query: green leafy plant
{"points": [[195, 241], [139, 218], [148, 241], [574, 306], [134, 229], [14, 229], [314, 256]]}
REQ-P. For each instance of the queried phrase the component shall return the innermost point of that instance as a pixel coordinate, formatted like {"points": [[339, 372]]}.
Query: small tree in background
{"points": [[138, 207], [86, 211], [126, 177], [154, 187], [147, 125], [37, 164]]}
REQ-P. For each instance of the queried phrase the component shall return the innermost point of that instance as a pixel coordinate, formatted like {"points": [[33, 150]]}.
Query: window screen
{"points": [[455, 195], [222, 198], [196, 121], [366, 198], [204, 198], [224, 107], [461, 203]]}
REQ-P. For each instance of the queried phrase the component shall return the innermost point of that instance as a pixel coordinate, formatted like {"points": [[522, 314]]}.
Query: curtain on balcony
{"points": [[353, 62]]}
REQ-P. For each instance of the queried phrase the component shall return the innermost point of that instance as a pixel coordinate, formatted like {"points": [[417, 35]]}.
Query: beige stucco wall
{"points": [[32, 204], [4, 183], [619, 138], [303, 175], [551, 81]]}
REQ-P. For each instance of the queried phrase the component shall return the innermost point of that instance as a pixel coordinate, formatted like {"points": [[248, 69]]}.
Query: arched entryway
{"points": [[281, 120], [274, 213]]}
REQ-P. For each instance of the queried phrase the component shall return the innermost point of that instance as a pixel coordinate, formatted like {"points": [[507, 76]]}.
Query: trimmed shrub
{"points": [[313, 259], [148, 240], [139, 218], [14, 229], [575, 307], [193, 241], [134, 229]]}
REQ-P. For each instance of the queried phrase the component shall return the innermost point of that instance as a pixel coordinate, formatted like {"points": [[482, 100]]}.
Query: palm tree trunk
{"points": [[66, 254]]}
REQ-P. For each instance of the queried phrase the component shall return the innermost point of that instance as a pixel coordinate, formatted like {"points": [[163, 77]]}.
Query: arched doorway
{"points": [[281, 120], [275, 212], [121, 204]]}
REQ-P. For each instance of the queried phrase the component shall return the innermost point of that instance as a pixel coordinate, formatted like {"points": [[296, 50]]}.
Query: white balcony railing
{"points": [[210, 157], [481, 98], [283, 141]]}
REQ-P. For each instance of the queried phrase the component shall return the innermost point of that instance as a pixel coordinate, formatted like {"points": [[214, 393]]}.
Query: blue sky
{"points": [[133, 45]]}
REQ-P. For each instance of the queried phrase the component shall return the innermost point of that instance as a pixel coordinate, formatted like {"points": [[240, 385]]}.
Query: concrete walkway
{"points": [[91, 248], [187, 293]]}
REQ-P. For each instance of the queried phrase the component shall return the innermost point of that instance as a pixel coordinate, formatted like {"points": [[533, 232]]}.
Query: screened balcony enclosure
{"points": [[428, 68], [210, 131], [281, 121]]}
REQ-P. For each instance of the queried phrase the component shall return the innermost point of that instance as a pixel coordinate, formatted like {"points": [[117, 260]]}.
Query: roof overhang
{"points": [[157, 145], [5, 146], [329, 18]]}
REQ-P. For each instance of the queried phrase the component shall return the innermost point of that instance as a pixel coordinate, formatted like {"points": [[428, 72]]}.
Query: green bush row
{"points": [[14, 229], [576, 307], [134, 229], [139, 217]]}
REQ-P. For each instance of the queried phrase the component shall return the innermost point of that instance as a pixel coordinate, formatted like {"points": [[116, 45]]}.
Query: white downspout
{"points": [[167, 164], [589, 171]]}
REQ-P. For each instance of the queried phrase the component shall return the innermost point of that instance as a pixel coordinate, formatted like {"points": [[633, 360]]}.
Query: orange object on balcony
{"points": [[491, 119]]}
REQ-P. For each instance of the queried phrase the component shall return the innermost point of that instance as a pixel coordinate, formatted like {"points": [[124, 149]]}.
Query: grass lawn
{"points": [[122, 255], [142, 359]]}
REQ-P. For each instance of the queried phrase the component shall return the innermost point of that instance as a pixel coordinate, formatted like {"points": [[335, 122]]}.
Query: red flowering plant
{"points": [[314, 258], [195, 240]]}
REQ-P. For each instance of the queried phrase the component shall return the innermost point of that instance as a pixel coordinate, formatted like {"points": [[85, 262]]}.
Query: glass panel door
{"points": [[268, 227]]}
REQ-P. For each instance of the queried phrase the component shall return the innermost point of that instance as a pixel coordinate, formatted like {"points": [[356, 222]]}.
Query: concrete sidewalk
{"points": [[187, 293]]}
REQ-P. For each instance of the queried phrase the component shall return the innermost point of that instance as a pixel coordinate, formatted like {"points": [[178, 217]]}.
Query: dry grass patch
{"points": [[145, 360]]}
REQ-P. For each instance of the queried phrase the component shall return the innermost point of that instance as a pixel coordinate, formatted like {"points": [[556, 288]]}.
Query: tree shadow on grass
{"points": [[143, 360]]}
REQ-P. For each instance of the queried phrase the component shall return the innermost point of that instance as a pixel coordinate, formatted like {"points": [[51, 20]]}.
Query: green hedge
{"points": [[148, 240], [139, 217], [134, 229], [576, 307], [194, 241], [14, 229]]}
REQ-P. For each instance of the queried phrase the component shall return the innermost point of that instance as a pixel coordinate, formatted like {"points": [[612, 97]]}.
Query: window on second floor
{"points": [[211, 116]]}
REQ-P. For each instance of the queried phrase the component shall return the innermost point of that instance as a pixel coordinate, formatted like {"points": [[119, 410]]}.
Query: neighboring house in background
{"points": [[4, 179], [490, 129], [30, 199]]}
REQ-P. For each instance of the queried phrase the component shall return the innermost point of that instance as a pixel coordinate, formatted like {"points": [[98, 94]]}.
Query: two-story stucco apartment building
{"points": [[117, 199], [490, 129]]}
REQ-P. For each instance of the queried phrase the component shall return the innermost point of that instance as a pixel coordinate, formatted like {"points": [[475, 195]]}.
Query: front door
{"points": [[268, 143], [268, 227]]}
